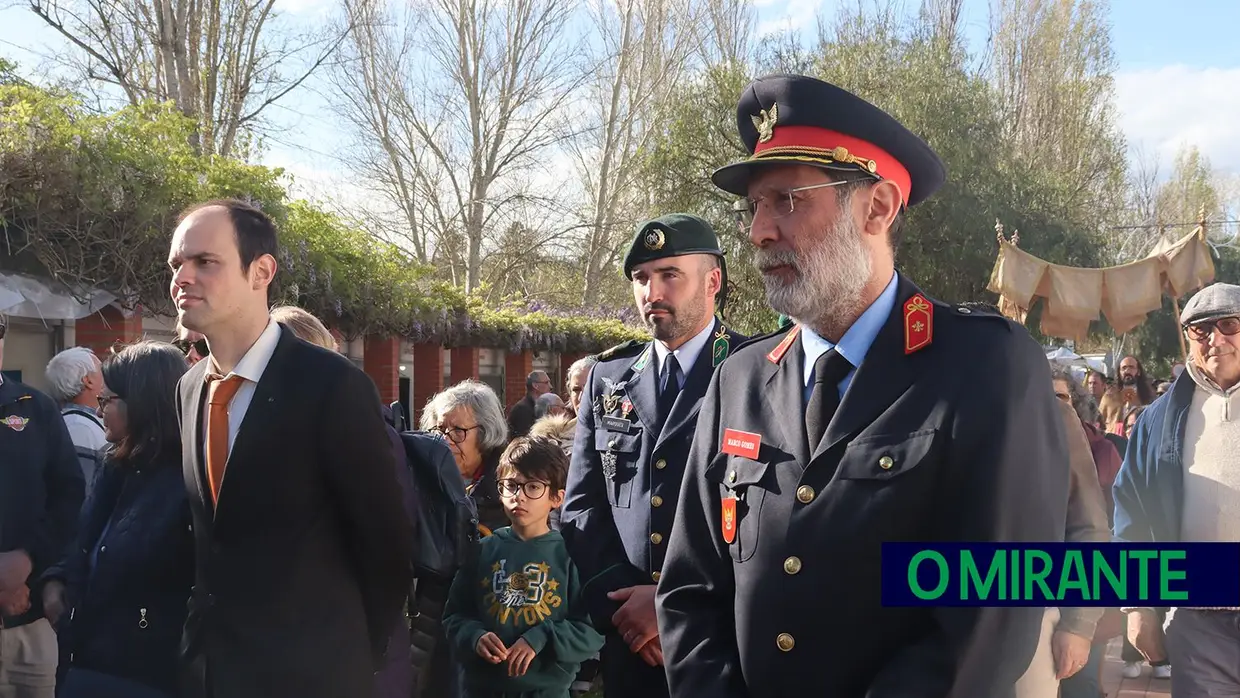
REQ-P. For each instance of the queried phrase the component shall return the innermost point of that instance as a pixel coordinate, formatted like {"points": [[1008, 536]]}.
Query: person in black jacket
{"points": [[41, 490], [127, 580]]}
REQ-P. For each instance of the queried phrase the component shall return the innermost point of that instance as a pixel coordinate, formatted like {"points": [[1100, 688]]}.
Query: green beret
{"points": [[671, 236]]}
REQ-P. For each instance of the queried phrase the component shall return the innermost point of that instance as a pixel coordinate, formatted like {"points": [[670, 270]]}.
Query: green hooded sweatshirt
{"points": [[521, 589]]}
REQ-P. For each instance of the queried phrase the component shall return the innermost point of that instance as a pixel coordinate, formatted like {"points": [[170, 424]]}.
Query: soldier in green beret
{"points": [[638, 412]]}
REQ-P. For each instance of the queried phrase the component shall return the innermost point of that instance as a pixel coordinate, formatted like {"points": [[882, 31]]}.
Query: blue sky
{"points": [[1178, 79]]}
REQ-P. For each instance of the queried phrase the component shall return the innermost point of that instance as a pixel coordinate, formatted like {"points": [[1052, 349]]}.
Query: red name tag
{"points": [[741, 443]]}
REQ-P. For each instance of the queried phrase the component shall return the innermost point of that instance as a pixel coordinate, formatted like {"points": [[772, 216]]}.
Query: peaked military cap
{"points": [[799, 120], [671, 236]]}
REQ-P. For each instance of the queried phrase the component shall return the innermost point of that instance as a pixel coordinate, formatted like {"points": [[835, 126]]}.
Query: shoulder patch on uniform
{"points": [[630, 347]]}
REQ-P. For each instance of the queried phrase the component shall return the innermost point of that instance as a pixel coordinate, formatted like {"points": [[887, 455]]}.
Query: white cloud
{"points": [[1163, 109]]}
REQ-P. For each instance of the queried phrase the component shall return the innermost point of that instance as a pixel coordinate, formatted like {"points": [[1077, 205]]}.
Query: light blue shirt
{"points": [[855, 343]]}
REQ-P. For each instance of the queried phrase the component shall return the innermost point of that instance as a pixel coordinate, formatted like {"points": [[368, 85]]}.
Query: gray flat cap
{"points": [[1211, 303]]}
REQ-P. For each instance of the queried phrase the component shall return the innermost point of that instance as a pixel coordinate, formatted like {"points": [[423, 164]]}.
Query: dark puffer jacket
{"points": [[129, 607]]}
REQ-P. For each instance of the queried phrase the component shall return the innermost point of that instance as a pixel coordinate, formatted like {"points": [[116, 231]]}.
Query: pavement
{"points": [[1116, 686]]}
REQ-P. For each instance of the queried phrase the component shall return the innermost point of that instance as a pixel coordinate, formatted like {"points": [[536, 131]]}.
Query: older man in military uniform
{"points": [[857, 425], [636, 421]]}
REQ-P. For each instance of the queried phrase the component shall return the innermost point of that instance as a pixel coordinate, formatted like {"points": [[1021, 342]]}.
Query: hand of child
{"points": [[491, 648], [519, 658]]}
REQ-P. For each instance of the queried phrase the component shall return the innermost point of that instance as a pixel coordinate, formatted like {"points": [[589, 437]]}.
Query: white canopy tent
{"points": [[46, 300]]}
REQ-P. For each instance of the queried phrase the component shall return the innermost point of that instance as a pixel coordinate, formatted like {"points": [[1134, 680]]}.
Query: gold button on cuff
{"points": [[732, 476], [886, 462], [660, 464], [655, 576], [792, 565], [656, 538], [805, 494], [656, 501], [785, 642]]}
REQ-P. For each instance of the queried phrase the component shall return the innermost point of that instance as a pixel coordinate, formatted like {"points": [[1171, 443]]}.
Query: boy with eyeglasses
{"points": [[514, 614]]}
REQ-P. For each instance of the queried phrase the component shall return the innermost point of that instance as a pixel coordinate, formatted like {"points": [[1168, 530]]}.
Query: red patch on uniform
{"points": [[728, 520], [15, 422], [741, 443], [918, 324], [777, 354]]}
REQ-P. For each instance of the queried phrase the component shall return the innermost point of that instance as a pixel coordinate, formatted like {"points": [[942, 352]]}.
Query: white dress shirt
{"points": [[686, 355], [251, 368]]}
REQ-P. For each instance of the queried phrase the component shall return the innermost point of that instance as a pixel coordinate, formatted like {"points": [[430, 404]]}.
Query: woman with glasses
{"points": [[123, 589], [469, 418]]}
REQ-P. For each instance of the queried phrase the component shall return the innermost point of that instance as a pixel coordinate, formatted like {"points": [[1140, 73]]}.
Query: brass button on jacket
{"points": [[656, 501], [660, 464], [785, 642], [792, 565], [805, 494], [656, 538], [886, 462]]}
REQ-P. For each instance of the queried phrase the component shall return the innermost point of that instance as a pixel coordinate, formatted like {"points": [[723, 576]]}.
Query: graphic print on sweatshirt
{"points": [[524, 597]]}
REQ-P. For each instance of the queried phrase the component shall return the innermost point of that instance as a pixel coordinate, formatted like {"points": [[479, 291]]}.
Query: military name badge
{"points": [[745, 444], [614, 423], [918, 324], [15, 422], [727, 522], [719, 350]]}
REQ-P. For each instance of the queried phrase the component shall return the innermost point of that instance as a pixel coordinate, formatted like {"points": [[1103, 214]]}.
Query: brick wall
{"points": [[516, 368], [427, 376], [464, 364], [381, 359], [102, 330]]}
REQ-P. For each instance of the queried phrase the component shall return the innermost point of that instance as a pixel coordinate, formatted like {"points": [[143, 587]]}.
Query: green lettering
{"points": [[1015, 580], [1075, 566], [1143, 557], [970, 576], [1167, 575], [1037, 576], [1102, 568], [944, 576]]}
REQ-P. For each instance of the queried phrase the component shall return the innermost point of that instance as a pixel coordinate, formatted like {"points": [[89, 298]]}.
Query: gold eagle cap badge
{"points": [[654, 239], [764, 121]]}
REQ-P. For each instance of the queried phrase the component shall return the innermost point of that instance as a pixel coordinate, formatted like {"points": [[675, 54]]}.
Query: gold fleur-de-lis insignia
{"points": [[764, 121]]}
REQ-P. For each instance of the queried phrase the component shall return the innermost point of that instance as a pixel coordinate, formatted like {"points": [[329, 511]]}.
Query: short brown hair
{"points": [[256, 232], [537, 458]]}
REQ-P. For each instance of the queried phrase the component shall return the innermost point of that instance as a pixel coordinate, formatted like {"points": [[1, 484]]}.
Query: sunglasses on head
{"points": [[1201, 331], [199, 346]]}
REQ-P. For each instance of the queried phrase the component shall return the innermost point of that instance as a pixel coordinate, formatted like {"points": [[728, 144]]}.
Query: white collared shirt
{"points": [[251, 367], [686, 355]]}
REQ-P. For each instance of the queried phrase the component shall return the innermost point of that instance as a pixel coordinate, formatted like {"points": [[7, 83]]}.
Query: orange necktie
{"points": [[220, 392]]}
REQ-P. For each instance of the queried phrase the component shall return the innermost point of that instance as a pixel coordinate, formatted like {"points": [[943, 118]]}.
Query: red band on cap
{"points": [[821, 143]]}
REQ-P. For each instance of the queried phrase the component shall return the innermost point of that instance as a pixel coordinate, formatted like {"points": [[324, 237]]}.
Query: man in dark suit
{"points": [[303, 560], [857, 425], [634, 428], [521, 417]]}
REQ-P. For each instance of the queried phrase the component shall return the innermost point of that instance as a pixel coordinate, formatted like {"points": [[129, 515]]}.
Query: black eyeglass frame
{"points": [[199, 346], [508, 487], [1201, 331], [449, 433]]}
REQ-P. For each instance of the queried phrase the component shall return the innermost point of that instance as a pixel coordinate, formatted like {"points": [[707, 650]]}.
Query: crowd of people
{"points": [[236, 514]]}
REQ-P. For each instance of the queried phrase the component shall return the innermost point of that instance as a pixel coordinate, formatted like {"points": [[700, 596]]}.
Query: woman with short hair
{"points": [[469, 417], [123, 588]]}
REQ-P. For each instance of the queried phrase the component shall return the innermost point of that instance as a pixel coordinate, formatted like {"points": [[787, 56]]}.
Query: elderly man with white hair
{"points": [[75, 382]]}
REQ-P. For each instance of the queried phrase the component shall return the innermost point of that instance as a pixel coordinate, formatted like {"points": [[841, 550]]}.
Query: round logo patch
{"points": [[654, 239]]}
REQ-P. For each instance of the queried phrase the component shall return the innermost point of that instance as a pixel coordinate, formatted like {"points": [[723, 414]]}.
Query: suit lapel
{"points": [[784, 399], [884, 375], [192, 391], [689, 401], [643, 389]]}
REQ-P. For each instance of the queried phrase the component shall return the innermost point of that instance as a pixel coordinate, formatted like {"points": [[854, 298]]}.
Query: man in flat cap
{"points": [[1180, 482], [638, 410], [859, 424]]}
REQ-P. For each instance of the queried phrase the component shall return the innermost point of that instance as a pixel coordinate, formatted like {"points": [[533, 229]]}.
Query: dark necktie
{"points": [[669, 386], [829, 370]]}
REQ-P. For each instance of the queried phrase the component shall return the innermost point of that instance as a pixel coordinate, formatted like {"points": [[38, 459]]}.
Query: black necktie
{"points": [[669, 386], [829, 370]]}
